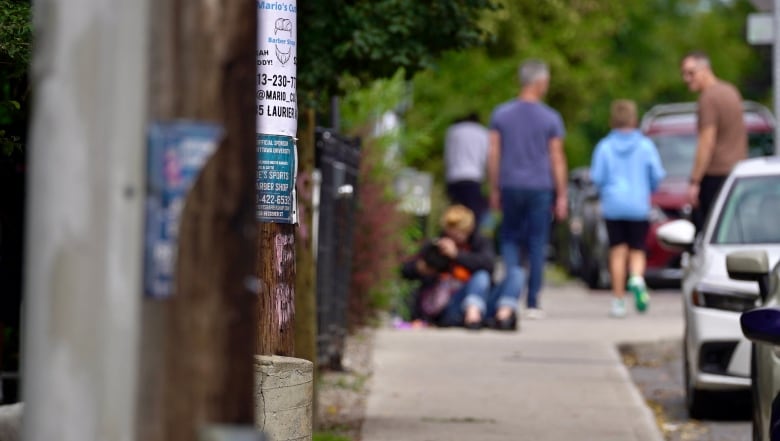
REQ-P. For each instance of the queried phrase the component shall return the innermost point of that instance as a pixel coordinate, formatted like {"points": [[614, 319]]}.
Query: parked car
{"points": [[716, 355], [672, 127], [567, 234], [595, 243], [762, 327]]}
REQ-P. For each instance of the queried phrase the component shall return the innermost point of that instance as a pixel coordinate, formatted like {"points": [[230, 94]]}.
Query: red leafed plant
{"points": [[380, 241]]}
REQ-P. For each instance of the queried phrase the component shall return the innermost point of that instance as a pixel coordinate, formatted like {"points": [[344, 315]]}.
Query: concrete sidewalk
{"points": [[557, 379]]}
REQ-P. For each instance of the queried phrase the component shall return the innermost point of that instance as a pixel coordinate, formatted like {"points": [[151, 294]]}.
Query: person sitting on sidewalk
{"points": [[455, 271], [626, 169]]}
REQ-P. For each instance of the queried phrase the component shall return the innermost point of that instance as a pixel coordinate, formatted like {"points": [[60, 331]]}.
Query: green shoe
{"points": [[637, 286]]}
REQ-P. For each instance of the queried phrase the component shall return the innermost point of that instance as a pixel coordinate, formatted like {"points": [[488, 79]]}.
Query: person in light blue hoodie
{"points": [[626, 169]]}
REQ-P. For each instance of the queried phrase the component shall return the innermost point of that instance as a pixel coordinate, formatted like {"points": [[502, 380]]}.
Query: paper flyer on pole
{"points": [[277, 111], [277, 108]]}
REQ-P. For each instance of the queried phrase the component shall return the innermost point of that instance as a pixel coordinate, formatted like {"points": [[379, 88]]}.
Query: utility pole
{"points": [[306, 277], [198, 314], [285, 384], [776, 71], [84, 220], [277, 125]]}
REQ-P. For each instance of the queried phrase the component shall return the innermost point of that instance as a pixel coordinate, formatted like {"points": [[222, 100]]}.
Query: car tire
{"points": [[695, 400], [592, 274], [574, 258]]}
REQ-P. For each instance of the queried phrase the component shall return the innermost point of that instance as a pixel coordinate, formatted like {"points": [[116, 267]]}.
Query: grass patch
{"points": [[467, 420], [556, 275], [329, 436], [352, 382]]}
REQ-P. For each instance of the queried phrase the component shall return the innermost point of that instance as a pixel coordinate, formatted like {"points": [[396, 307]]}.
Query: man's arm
{"points": [[494, 158], [559, 169], [704, 148]]}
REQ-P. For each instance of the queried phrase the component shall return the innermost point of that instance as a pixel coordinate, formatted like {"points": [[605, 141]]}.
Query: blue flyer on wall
{"points": [[276, 167], [177, 151]]}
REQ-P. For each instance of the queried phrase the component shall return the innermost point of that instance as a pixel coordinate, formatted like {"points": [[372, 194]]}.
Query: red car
{"points": [[673, 129]]}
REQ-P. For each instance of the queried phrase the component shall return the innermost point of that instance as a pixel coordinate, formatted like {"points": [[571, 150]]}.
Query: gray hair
{"points": [[700, 57], [531, 71]]}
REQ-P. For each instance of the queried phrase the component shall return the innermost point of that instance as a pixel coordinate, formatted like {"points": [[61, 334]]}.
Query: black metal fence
{"points": [[338, 160]]}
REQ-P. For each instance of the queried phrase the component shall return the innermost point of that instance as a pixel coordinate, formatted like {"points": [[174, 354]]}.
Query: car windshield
{"points": [[677, 151], [751, 212]]}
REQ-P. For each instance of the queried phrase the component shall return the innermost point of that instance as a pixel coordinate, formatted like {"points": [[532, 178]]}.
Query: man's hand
{"points": [[561, 208], [693, 194], [495, 200], [494, 158], [423, 268]]}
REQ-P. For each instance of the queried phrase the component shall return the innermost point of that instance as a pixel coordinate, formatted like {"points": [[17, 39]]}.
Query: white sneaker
{"points": [[535, 314], [618, 309]]}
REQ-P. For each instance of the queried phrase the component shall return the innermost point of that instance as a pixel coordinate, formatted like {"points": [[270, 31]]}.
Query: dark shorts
{"points": [[632, 233]]}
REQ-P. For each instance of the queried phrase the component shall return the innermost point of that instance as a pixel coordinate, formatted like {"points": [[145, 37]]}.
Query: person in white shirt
{"points": [[465, 163]]}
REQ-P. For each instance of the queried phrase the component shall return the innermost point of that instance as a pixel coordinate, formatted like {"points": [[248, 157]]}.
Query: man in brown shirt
{"points": [[722, 138]]}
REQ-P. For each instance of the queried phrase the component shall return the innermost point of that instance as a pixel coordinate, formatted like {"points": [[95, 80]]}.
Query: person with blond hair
{"points": [[626, 169], [455, 271]]}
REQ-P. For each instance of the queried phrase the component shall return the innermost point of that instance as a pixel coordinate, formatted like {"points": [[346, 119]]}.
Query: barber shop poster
{"points": [[277, 111], [277, 108]]}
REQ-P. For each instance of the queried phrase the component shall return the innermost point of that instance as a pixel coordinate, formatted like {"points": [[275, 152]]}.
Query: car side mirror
{"points": [[677, 235], [761, 325], [752, 266]]}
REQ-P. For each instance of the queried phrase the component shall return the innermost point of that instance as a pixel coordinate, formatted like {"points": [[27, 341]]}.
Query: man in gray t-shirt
{"points": [[527, 175]]}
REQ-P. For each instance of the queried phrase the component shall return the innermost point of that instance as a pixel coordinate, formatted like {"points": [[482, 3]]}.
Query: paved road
{"points": [[656, 368]]}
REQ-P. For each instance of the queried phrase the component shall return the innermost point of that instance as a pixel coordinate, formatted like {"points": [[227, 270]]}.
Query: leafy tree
{"points": [[15, 51], [597, 51], [370, 39]]}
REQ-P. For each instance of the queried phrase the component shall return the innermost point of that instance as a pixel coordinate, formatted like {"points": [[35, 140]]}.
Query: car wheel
{"points": [[574, 260], [695, 400], [756, 413], [592, 274]]}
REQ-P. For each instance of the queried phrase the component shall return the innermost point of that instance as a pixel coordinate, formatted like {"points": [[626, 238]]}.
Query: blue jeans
{"points": [[525, 231], [473, 293]]}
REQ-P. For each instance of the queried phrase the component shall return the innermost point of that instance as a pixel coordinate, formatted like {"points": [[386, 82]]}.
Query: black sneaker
{"points": [[507, 324]]}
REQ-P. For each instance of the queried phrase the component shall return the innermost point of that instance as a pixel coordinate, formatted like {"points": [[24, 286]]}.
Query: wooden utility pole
{"points": [[277, 121], [284, 383], [306, 270], [276, 308], [197, 343]]}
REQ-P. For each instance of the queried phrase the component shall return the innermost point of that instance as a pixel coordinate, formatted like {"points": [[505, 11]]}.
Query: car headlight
{"points": [[657, 215], [708, 297]]}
